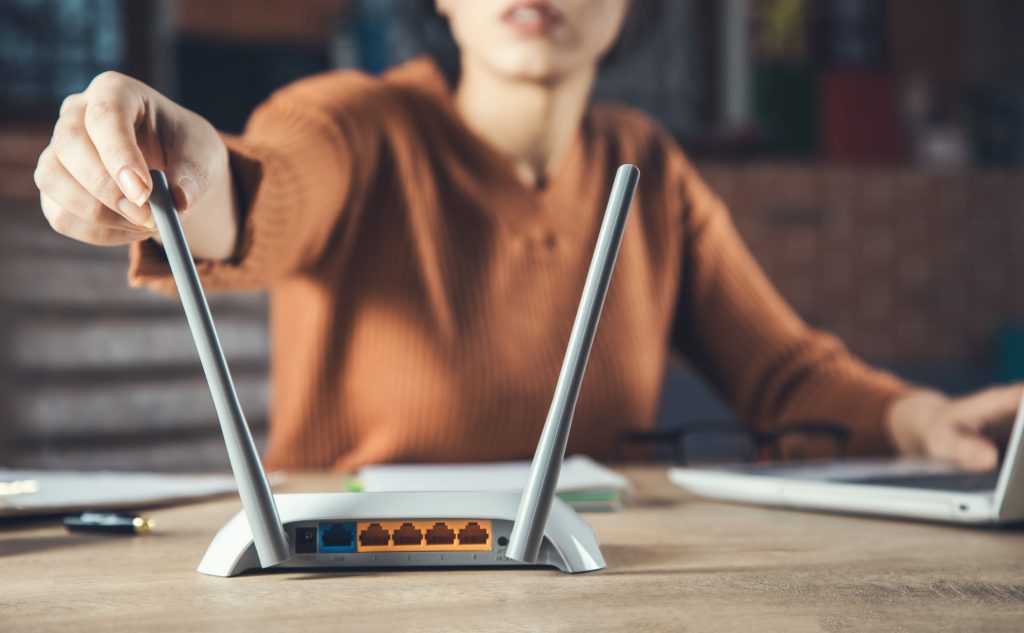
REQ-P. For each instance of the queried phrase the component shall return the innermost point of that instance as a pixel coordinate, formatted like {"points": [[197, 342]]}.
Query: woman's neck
{"points": [[533, 123]]}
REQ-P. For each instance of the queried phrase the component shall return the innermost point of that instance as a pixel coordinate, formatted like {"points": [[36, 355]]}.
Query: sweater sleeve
{"points": [[774, 369], [300, 169]]}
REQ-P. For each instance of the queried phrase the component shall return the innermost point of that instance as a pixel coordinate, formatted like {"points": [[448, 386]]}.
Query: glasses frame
{"points": [[762, 446]]}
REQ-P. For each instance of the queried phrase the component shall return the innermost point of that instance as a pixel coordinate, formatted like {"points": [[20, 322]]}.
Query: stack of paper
{"points": [[52, 491], [584, 484]]}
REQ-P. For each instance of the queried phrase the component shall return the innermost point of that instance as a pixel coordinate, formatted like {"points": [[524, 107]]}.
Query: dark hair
{"points": [[435, 36]]}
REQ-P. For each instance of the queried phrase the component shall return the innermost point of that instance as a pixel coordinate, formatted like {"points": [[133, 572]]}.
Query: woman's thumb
{"points": [[193, 156]]}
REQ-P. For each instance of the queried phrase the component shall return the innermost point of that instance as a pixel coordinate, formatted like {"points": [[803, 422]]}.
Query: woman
{"points": [[425, 244]]}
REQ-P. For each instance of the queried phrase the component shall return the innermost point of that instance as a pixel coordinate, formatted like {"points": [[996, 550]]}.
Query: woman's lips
{"points": [[532, 18]]}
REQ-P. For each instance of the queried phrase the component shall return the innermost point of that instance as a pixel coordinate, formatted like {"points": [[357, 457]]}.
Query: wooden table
{"points": [[674, 563]]}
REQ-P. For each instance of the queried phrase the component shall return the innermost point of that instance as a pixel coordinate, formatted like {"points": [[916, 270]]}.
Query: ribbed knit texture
{"points": [[422, 296]]}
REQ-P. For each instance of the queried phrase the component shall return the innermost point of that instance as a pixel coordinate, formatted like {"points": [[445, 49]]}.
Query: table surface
{"points": [[674, 563]]}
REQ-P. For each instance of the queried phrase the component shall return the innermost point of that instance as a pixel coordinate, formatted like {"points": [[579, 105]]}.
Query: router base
{"points": [[364, 530]]}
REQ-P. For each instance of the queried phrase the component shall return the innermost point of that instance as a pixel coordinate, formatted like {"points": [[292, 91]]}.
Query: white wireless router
{"points": [[397, 529]]}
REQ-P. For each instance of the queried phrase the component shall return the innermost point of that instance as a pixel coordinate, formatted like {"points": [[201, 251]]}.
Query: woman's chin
{"points": [[529, 65]]}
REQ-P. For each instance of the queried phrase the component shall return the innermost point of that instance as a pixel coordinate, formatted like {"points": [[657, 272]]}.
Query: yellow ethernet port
{"points": [[475, 534], [373, 535], [406, 534], [439, 535]]}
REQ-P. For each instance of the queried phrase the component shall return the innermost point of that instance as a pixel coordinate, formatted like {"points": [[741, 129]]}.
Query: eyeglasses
{"points": [[720, 442]]}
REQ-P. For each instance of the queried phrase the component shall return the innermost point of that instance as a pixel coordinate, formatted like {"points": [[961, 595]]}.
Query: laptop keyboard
{"points": [[960, 482]]}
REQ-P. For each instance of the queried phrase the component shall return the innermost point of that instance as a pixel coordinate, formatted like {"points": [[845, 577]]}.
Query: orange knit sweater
{"points": [[422, 297]]}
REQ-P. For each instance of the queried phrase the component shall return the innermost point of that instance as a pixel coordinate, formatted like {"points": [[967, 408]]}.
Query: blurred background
{"points": [[871, 152]]}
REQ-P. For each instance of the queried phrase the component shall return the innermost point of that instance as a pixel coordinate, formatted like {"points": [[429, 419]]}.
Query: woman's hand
{"points": [[94, 180], [963, 431]]}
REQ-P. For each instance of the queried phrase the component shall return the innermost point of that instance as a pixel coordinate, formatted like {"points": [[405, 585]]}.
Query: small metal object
{"points": [[109, 523]]}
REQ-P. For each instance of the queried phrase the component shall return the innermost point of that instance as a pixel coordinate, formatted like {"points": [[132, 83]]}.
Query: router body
{"points": [[399, 529], [404, 529]]}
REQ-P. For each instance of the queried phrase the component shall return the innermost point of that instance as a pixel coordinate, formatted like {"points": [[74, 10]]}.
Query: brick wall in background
{"points": [[306, 21], [94, 374], [907, 265]]}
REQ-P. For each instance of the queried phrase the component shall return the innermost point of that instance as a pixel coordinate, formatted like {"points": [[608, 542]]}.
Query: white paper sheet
{"points": [[69, 491], [580, 475]]}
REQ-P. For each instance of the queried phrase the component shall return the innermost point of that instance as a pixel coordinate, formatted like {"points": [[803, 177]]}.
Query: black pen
{"points": [[108, 523]]}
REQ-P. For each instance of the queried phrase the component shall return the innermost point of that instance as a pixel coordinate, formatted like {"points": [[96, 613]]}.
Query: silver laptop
{"points": [[911, 489]]}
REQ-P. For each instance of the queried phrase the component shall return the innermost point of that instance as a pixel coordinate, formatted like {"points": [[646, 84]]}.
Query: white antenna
{"points": [[535, 504], [257, 500]]}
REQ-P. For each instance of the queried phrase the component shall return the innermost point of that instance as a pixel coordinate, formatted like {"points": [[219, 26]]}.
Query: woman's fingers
{"points": [[113, 109], [97, 164], [68, 194], [961, 447], [75, 151], [959, 431], [987, 407], [70, 225]]}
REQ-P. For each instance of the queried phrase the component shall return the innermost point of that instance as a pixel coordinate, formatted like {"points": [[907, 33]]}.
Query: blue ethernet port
{"points": [[337, 537]]}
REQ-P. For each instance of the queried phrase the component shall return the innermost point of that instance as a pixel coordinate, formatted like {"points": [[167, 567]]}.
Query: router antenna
{"points": [[535, 504], [257, 500]]}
